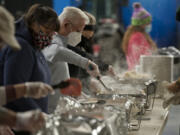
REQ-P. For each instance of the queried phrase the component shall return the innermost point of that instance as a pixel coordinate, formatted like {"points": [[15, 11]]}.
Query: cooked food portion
{"points": [[135, 75]]}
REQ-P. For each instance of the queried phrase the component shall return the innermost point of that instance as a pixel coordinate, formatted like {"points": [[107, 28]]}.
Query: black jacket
{"points": [[81, 73], [86, 44]]}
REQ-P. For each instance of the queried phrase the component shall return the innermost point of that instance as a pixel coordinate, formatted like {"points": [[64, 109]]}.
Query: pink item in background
{"points": [[137, 46], [96, 49]]}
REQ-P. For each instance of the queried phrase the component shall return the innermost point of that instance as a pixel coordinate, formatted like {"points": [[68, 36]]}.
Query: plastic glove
{"points": [[37, 89], [30, 121], [5, 130], [94, 86], [111, 71], [94, 71]]}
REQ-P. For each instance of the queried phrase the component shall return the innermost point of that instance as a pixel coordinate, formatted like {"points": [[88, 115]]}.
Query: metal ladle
{"points": [[99, 79]]}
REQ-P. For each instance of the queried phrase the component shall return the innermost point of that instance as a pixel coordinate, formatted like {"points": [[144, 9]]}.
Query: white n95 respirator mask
{"points": [[74, 38], [148, 28]]}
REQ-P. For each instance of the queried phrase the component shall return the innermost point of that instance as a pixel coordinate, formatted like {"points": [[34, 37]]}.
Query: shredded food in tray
{"points": [[135, 75]]}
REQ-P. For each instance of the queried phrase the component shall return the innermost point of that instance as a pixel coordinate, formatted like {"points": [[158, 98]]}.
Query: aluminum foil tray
{"points": [[73, 118], [125, 93], [141, 88], [120, 103]]}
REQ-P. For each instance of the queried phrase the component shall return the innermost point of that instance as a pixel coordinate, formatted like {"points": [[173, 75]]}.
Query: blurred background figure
{"points": [[137, 41], [109, 37]]}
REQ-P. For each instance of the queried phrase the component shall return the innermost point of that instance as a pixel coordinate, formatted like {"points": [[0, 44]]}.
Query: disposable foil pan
{"points": [[85, 120], [119, 103]]}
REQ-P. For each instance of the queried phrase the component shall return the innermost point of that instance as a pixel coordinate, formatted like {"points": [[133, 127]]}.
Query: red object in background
{"points": [[96, 49], [73, 89], [107, 20]]}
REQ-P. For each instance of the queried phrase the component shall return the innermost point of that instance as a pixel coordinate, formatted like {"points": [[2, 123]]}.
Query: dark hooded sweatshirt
{"points": [[26, 65]]}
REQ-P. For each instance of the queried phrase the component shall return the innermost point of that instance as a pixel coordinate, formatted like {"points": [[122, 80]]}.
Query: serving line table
{"points": [[158, 117]]}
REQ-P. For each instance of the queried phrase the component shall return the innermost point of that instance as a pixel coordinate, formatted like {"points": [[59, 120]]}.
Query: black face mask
{"points": [[89, 27]]}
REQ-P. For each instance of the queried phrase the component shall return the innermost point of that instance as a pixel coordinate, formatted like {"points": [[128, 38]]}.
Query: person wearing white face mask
{"points": [[74, 38], [72, 21], [148, 28], [137, 41]]}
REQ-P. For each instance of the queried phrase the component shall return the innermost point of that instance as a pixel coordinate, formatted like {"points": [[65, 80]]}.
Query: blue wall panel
{"points": [[164, 24], [178, 26], [58, 5]]}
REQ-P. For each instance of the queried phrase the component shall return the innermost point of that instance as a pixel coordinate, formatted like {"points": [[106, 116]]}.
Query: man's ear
{"points": [[66, 23]]}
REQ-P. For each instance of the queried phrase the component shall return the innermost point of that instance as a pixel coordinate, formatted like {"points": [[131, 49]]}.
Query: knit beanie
{"points": [[178, 14], [140, 15]]}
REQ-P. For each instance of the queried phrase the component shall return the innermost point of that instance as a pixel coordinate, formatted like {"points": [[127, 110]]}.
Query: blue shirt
{"points": [[26, 65]]}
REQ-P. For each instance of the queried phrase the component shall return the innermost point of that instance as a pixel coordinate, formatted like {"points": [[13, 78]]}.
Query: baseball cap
{"points": [[7, 29]]}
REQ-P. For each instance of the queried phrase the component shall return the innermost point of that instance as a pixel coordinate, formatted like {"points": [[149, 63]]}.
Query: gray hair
{"points": [[92, 19], [73, 14]]}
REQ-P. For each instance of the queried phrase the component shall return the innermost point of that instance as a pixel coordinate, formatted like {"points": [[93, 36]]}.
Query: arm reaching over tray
{"points": [[172, 93], [174, 87]]}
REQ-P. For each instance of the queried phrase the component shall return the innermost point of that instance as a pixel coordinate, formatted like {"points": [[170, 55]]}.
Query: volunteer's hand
{"points": [[37, 89], [94, 71], [111, 71], [5, 130], [175, 100], [174, 87], [171, 93], [30, 121], [94, 85]]}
